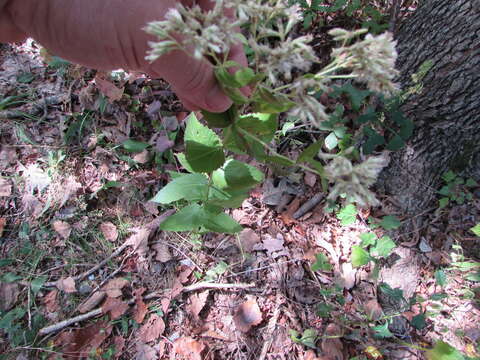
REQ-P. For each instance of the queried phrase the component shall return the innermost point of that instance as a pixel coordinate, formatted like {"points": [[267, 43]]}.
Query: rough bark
{"points": [[446, 113]]}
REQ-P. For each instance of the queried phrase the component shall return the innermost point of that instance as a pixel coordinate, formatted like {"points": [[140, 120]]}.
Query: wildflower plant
{"points": [[280, 82]]}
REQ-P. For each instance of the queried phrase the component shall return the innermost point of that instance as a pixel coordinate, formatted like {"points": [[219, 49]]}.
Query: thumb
{"points": [[193, 80]]}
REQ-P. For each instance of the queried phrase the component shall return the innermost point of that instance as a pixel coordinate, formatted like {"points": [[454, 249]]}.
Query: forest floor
{"points": [[79, 242]]}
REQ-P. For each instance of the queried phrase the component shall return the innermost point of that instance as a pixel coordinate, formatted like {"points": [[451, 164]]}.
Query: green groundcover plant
{"points": [[280, 82]]}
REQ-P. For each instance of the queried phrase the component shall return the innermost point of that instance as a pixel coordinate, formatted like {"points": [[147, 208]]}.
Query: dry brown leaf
{"points": [[248, 239], [32, 206], [119, 343], [184, 274], [310, 355], [50, 301], [139, 242], [152, 329], [141, 308], [8, 295], [310, 179], [62, 228], [3, 222], [272, 244], [115, 307], [188, 347], [109, 231], [70, 186], [114, 287], [142, 157], [67, 285], [162, 252], [332, 347], [373, 309], [348, 275], [5, 187], [145, 352], [247, 315], [80, 343], [108, 89], [95, 299], [197, 302]]}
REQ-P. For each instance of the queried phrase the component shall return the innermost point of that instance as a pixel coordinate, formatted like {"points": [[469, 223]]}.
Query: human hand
{"points": [[108, 34]]}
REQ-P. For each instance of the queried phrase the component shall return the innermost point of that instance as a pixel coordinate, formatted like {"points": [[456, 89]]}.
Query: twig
{"points": [[394, 15], [310, 204], [198, 286], [207, 285], [272, 325]]}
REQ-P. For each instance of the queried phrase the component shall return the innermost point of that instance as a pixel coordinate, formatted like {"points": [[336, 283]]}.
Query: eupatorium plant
{"points": [[279, 77]]}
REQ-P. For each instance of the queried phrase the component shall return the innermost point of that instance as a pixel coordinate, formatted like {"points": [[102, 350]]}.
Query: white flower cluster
{"points": [[354, 181], [372, 60], [204, 33], [283, 58]]}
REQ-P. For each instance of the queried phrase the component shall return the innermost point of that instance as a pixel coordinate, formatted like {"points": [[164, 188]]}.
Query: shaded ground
{"points": [[79, 238]]}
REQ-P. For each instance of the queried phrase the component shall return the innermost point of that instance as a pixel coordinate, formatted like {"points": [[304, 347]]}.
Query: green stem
{"points": [[209, 185]]}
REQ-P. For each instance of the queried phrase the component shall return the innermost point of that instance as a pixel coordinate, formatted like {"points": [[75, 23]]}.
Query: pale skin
{"points": [[108, 34]]}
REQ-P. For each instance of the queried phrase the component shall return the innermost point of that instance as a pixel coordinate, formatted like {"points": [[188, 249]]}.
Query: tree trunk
{"points": [[446, 113]]}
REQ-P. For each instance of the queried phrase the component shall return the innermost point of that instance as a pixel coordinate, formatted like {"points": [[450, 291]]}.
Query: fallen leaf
{"points": [[8, 295], [114, 287], [162, 252], [67, 285], [115, 307], [119, 343], [310, 355], [185, 274], [69, 188], [152, 329], [139, 242], [248, 239], [141, 308], [348, 275], [151, 207], [142, 157], [332, 347], [62, 228], [3, 222], [80, 343], [373, 309], [145, 352], [272, 244], [50, 301], [95, 299], [247, 315], [108, 89], [310, 179], [197, 302], [163, 143], [109, 231], [5, 187], [189, 348], [32, 206]]}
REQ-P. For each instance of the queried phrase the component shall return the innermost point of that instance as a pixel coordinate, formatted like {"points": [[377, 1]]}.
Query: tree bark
{"points": [[446, 113]]}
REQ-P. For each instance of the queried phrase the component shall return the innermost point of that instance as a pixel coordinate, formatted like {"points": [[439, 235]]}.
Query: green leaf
{"points": [[347, 215], [37, 284], [446, 190], [323, 310], [443, 202], [221, 223], [368, 239], [321, 263], [182, 159], [395, 143], [449, 176], [374, 139], [331, 141], [308, 338], [310, 152], [390, 222], [476, 229], [225, 78], [359, 256], [440, 278], [473, 277], [10, 277], [134, 146], [443, 351], [203, 148], [471, 183], [287, 126], [356, 96], [189, 218], [406, 129], [188, 187], [394, 294], [25, 77], [6, 262], [239, 175], [384, 246], [381, 331], [273, 103], [220, 120], [438, 296], [262, 125], [418, 321], [244, 76]]}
